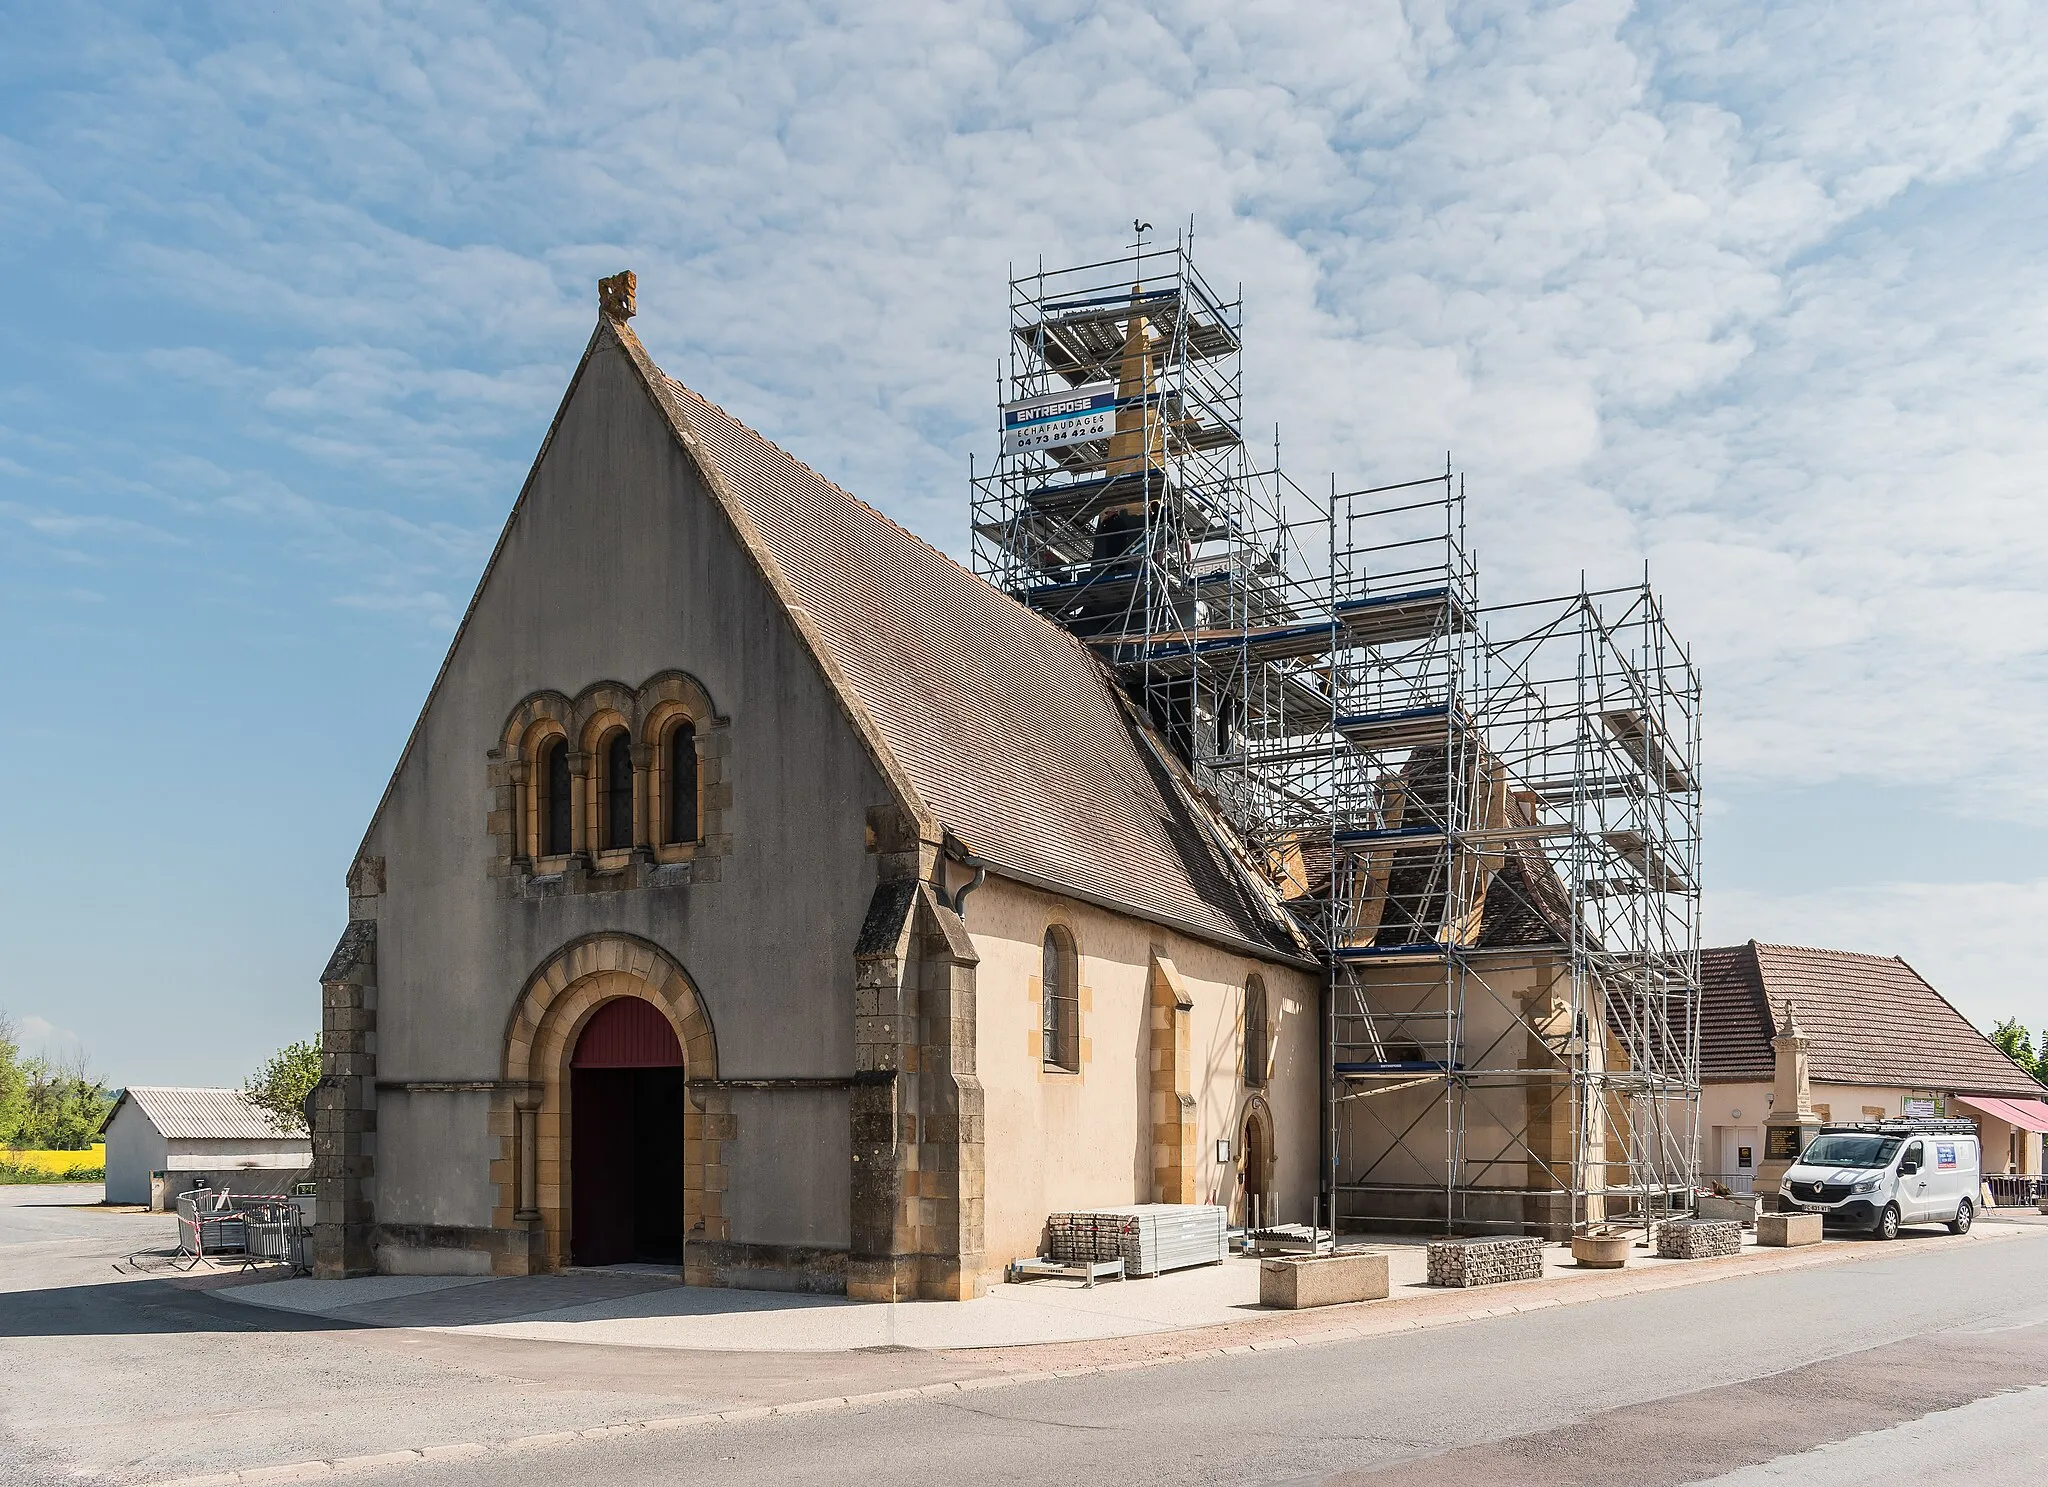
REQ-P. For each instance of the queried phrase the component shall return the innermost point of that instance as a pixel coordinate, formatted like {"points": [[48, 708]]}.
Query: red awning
{"points": [[2028, 1115]]}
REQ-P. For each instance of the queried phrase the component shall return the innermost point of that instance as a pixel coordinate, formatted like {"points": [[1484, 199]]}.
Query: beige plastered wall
{"points": [[1401, 1138], [1058, 1141]]}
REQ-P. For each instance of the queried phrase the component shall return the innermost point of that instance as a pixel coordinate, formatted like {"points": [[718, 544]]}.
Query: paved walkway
{"points": [[642, 1307]]}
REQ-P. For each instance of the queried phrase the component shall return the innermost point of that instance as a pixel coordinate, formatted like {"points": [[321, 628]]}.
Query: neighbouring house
{"points": [[162, 1140], [1885, 1044], [762, 892]]}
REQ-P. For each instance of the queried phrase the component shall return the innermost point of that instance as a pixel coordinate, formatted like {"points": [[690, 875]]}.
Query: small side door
{"points": [[1913, 1183]]}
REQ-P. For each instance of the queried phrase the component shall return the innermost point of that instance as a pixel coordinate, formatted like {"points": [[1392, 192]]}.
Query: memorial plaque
{"points": [[1783, 1143]]}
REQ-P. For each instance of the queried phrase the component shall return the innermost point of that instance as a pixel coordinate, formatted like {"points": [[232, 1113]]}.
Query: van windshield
{"points": [[1850, 1151]]}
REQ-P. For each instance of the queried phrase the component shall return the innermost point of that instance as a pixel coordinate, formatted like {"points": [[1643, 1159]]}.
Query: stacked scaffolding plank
{"points": [[1485, 817]]}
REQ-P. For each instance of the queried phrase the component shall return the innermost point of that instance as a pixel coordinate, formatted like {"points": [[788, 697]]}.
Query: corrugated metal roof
{"points": [[182, 1114], [1873, 1020], [1011, 734]]}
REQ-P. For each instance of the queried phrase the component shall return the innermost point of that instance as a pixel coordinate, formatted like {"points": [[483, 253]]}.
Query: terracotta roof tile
{"points": [[1874, 1020], [1735, 1028]]}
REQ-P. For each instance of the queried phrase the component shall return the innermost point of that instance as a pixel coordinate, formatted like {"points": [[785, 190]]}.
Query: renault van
{"points": [[1880, 1177]]}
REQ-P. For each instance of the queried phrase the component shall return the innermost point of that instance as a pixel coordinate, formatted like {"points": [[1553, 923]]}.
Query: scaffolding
{"points": [[1485, 818]]}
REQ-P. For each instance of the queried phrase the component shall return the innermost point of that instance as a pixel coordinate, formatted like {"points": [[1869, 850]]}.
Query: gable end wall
{"points": [[619, 565]]}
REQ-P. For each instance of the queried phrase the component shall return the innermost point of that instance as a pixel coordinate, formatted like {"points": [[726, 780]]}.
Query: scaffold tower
{"points": [[1486, 818]]}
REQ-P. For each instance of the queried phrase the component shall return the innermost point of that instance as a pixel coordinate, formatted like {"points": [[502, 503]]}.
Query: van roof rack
{"points": [[1918, 1125]]}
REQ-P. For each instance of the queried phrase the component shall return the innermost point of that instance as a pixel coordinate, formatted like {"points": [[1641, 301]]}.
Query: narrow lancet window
{"points": [[618, 791], [554, 805], [682, 783]]}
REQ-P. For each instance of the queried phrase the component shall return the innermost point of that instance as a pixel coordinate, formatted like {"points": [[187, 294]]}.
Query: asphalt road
{"points": [[1889, 1370], [1924, 1361]]}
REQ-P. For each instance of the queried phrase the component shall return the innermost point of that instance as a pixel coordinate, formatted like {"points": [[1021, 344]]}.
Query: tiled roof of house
{"points": [[1873, 1020], [1010, 733], [183, 1114], [1735, 1025]]}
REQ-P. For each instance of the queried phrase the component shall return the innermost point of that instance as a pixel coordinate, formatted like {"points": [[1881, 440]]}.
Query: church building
{"points": [[762, 893]]}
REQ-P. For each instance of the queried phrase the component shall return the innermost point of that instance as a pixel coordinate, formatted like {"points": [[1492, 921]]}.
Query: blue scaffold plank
{"points": [[1394, 835], [1392, 952]]}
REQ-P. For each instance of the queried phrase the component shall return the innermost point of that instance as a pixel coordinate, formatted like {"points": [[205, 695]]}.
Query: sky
{"points": [[288, 295]]}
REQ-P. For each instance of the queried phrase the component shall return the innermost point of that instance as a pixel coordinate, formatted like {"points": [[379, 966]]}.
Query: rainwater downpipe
{"points": [[956, 852]]}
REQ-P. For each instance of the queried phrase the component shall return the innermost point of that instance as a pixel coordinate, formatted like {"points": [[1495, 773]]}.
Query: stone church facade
{"points": [[760, 892]]}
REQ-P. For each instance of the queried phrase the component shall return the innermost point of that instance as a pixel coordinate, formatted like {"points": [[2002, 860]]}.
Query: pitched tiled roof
{"points": [[1009, 732], [183, 1114], [1872, 1018], [1735, 1026], [1525, 904]]}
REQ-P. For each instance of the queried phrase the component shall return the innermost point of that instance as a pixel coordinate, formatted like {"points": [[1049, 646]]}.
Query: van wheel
{"points": [[1964, 1213], [1888, 1222]]}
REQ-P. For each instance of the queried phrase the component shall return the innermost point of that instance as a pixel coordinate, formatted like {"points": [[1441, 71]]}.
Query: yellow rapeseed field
{"points": [[56, 1162]]}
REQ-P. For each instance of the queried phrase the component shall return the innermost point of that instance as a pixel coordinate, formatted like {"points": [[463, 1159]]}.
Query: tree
{"points": [[2014, 1042], [280, 1087], [13, 1085], [47, 1105], [63, 1106]]}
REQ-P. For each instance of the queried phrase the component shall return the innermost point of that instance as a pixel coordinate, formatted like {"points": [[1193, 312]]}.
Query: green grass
{"points": [[10, 1173]]}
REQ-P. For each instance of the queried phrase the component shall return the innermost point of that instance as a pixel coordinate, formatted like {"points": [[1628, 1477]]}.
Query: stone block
{"points": [[1714, 1209], [1697, 1240], [1484, 1262], [1787, 1230], [1295, 1281]]}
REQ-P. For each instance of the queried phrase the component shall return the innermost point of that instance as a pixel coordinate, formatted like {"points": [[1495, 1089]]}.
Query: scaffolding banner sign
{"points": [[1053, 420]]}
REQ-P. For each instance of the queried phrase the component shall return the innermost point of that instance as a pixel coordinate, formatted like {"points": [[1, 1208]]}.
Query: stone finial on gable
{"points": [[615, 296]]}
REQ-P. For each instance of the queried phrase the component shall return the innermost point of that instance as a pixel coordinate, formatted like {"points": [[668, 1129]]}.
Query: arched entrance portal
{"points": [[1258, 1170], [626, 1112]]}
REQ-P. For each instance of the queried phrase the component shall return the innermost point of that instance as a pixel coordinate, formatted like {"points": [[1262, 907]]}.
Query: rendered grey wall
{"points": [[621, 566], [795, 1148], [434, 1156]]}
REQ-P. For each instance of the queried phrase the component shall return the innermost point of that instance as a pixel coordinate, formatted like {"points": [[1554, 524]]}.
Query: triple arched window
{"points": [[612, 772]]}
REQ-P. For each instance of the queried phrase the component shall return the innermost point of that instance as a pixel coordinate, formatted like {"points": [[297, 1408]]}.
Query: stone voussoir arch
{"points": [[560, 996], [666, 692], [533, 1173]]}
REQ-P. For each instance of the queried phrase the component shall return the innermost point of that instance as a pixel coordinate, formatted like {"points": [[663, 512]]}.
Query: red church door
{"points": [[626, 1137]]}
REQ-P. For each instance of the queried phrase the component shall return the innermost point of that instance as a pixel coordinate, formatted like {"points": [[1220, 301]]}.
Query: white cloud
{"points": [[1747, 290], [43, 1038], [1977, 943]]}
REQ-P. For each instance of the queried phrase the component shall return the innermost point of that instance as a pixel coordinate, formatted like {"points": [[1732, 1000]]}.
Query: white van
{"points": [[1879, 1177]]}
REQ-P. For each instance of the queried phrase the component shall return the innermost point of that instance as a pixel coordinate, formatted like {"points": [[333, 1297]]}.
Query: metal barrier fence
{"points": [[255, 1230], [2015, 1190]]}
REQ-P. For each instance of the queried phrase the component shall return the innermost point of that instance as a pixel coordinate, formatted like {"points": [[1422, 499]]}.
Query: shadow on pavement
{"points": [[137, 1308]]}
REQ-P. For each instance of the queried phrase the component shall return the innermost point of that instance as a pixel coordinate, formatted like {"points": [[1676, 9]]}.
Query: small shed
{"points": [[162, 1140]]}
